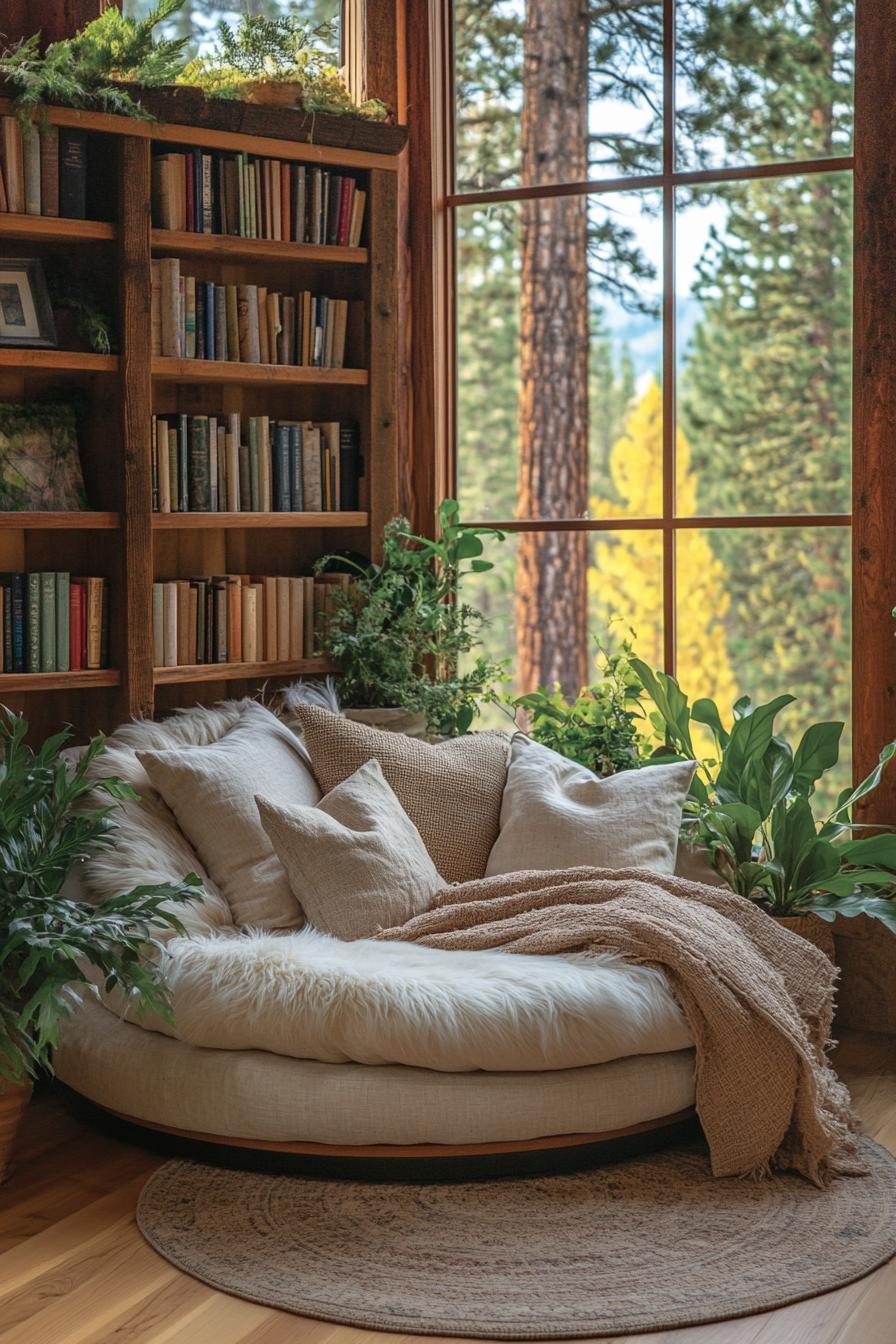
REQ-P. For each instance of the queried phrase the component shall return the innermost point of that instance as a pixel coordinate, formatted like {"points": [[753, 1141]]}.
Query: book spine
{"points": [[94, 622], [13, 165], [158, 624], [155, 307], [254, 492], [207, 195], [308, 608], [282, 619], [169, 634], [32, 623], [345, 210], [249, 599], [75, 623], [169, 285], [31, 159], [349, 466], [233, 324], [201, 332], [63, 588], [189, 317], [245, 475], [232, 450], [219, 589], [265, 492], [72, 173], [269, 590], [199, 466], [296, 619], [174, 469], [234, 622], [49, 170], [264, 347], [212, 338], [214, 473], [282, 459], [182, 634], [221, 350], [296, 484], [48, 621], [183, 461]]}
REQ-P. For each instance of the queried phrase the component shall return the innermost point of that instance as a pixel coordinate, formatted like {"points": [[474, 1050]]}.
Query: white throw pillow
{"points": [[558, 814], [356, 862], [211, 791]]}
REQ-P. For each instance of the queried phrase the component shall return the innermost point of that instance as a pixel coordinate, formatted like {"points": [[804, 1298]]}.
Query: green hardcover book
{"points": [[254, 495], [32, 623], [241, 193], [48, 622], [62, 605], [174, 471], [200, 465]]}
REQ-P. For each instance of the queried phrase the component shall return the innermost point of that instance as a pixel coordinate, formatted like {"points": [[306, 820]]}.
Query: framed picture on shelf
{"points": [[40, 467], [26, 318]]}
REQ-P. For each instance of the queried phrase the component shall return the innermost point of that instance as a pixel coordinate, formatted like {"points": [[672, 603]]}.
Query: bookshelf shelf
{"points": [[56, 522], [239, 671], [57, 361], [206, 522], [45, 228], [226, 371], [59, 681], [224, 247]]}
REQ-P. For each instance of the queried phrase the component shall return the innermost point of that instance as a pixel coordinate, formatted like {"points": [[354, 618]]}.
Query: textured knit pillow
{"points": [[355, 862], [450, 790], [211, 791], [558, 814]]}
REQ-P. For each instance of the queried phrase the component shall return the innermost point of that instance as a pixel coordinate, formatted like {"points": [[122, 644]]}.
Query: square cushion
{"points": [[450, 790], [355, 862], [211, 791], [558, 814]]}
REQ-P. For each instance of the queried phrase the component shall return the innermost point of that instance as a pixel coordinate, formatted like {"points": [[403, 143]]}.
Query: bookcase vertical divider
{"points": [[382, 344], [135, 611]]}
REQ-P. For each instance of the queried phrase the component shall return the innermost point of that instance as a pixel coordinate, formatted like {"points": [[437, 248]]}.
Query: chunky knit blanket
{"points": [[758, 998]]}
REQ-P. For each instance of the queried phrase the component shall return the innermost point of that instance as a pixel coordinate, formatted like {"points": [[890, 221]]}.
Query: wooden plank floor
{"points": [[75, 1270]]}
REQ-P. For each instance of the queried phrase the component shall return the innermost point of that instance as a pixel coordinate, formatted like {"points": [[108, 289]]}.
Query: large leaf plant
{"points": [[51, 942], [753, 803]]}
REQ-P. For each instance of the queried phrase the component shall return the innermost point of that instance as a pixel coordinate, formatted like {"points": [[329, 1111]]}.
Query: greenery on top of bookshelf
{"points": [[261, 51], [87, 69], [40, 467]]}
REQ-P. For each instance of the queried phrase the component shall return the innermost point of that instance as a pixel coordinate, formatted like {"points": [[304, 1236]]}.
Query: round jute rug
{"points": [[646, 1244]]}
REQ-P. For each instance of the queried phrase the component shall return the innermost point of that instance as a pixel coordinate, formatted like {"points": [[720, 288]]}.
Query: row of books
{"points": [[254, 464], [43, 169], [53, 622], [240, 618], [202, 192], [197, 319]]}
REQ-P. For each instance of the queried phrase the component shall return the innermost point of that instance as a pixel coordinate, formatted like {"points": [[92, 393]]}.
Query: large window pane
{"points": [[547, 92], [763, 81], [558, 357], [763, 612], [625, 592], [764, 303]]}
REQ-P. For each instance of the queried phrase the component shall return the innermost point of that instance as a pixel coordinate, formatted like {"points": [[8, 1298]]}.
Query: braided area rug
{"points": [[647, 1244]]}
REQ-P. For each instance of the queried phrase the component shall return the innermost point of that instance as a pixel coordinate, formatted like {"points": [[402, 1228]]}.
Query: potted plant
{"points": [[752, 809], [279, 62], [90, 69], [599, 727], [51, 941], [398, 634]]}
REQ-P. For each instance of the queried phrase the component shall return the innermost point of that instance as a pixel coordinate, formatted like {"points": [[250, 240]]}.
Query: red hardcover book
{"points": [[77, 624], [345, 210]]}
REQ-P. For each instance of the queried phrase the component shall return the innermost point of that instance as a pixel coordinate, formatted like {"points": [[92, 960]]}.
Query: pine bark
{"points": [[553, 462]]}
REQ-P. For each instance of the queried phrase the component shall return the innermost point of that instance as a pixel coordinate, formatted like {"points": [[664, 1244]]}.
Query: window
{"points": [[652, 206]]}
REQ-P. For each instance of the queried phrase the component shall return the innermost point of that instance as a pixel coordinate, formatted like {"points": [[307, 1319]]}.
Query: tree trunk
{"points": [[553, 463]]}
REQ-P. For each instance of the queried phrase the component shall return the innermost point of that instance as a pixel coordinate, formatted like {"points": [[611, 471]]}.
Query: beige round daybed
{"points": [[254, 1108]]}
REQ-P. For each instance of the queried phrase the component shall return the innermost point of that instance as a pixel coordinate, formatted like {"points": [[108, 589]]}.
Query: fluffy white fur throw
{"points": [[312, 997]]}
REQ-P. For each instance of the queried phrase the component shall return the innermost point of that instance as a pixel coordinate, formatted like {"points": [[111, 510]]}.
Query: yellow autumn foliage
{"points": [[626, 579]]}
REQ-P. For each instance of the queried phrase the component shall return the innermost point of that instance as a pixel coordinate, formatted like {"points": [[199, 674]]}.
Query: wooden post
{"points": [[866, 952], [383, 344], [53, 19], [135, 592]]}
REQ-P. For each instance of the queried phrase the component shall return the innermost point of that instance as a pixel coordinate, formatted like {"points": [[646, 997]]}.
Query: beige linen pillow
{"points": [[450, 790], [211, 791], [355, 862], [558, 814]]}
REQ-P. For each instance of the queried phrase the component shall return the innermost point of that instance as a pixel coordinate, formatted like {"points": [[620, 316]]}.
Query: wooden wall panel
{"points": [[54, 19]]}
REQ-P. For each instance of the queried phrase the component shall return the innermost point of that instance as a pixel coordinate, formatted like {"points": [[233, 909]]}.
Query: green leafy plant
{"points": [[751, 807], [281, 50], [48, 942], [86, 70], [599, 728], [398, 635]]}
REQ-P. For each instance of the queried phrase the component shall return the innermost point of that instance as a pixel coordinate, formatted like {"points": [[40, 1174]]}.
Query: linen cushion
{"points": [[450, 790], [355, 862], [558, 814], [211, 791]]}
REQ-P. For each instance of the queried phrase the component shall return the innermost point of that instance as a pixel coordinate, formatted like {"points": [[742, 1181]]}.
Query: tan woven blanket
{"points": [[758, 998]]}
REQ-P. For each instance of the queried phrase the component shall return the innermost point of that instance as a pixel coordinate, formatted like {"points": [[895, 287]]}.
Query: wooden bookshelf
{"points": [[208, 522], [228, 371], [43, 228], [174, 243], [199, 672], [120, 537]]}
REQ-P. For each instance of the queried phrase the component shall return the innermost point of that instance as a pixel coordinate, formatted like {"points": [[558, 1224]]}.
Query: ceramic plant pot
{"points": [[408, 721], [14, 1097], [816, 931]]}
